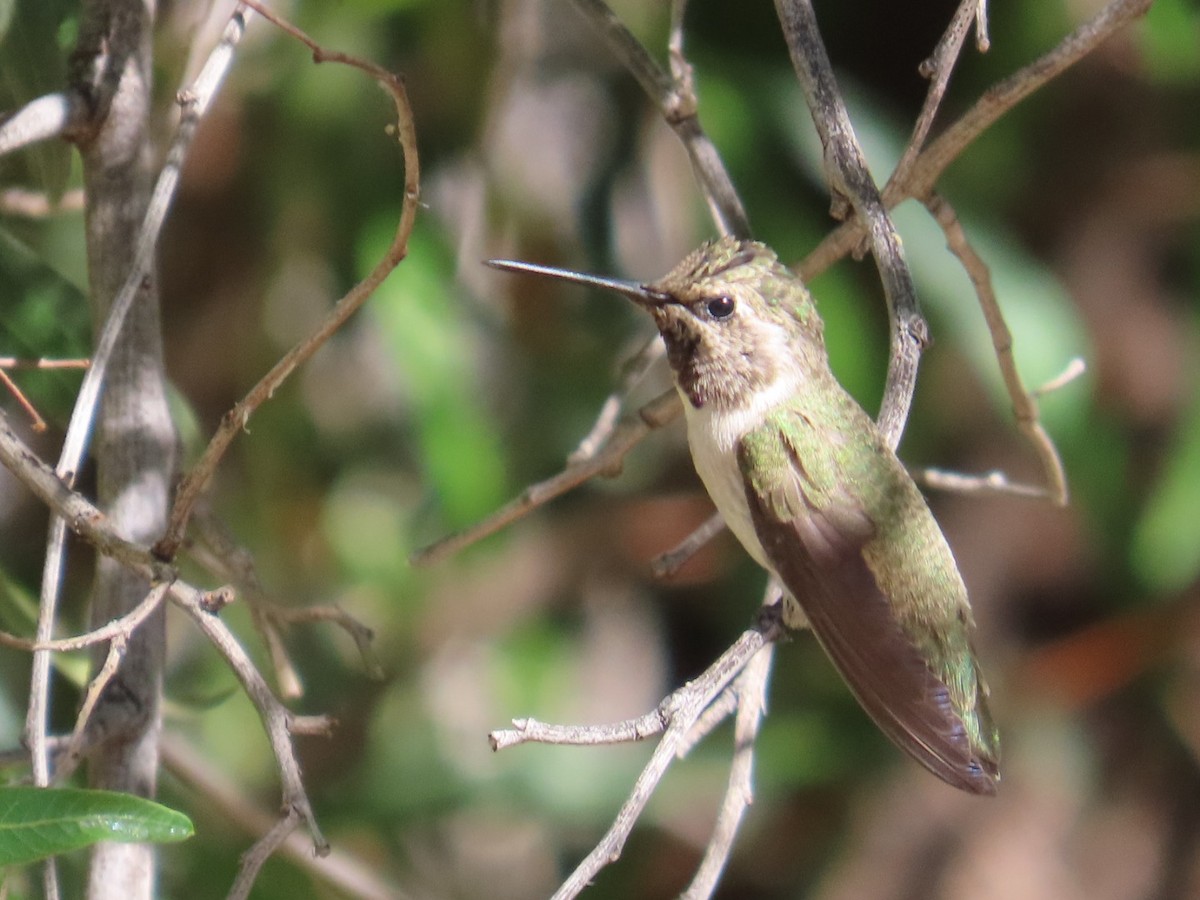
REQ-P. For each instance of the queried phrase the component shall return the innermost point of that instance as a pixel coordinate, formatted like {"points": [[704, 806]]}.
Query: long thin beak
{"points": [[638, 293]]}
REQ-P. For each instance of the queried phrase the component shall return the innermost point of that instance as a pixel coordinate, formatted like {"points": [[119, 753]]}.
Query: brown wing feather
{"points": [[822, 566]]}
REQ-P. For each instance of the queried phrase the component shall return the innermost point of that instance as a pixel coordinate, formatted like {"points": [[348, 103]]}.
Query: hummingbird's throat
{"points": [[721, 375]]}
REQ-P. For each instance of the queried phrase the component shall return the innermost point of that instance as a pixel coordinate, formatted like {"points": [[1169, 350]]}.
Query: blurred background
{"points": [[456, 387]]}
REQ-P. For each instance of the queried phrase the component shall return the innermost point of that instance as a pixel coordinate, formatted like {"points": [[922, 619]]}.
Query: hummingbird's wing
{"points": [[829, 518]]}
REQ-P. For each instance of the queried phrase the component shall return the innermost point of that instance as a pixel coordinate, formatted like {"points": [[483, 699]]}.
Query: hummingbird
{"points": [[810, 488]]}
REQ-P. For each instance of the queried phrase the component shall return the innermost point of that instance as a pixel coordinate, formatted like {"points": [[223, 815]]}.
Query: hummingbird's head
{"points": [[735, 320]]}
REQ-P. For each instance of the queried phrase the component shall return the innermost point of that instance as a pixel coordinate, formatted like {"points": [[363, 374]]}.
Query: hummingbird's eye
{"points": [[720, 307]]}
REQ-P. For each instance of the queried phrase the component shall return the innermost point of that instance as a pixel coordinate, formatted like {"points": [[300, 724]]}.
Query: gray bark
{"points": [[134, 442]]}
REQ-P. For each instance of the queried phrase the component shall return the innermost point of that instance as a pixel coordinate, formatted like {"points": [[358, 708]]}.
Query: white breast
{"points": [[713, 438]]}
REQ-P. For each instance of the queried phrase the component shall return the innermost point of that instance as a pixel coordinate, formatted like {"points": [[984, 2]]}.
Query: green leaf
{"points": [[39, 822]]}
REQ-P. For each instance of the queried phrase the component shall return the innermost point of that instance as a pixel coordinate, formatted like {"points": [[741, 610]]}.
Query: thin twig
{"points": [[358, 632], [278, 721], [982, 42], [997, 482], [38, 424], [850, 181], [67, 506], [262, 850], [667, 564], [196, 481], [18, 363], [194, 102], [629, 431], [676, 101], [989, 483], [1074, 368], [1025, 406], [230, 561], [610, 411], [123, 626], [78, 744], [28, 204]]}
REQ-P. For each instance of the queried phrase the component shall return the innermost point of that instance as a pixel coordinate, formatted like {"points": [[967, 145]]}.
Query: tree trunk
{"points": [[134, 443]]}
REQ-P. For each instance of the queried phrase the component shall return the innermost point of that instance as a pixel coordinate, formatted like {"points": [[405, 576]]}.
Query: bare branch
{"points": [[1025, 407], [81, 516], [632, 373], [117, 628], [989, 483], [675, 98], [996, 101], [1074, 368], [850, 181], [78, 745], [195, 482], [14, 362], [37, 422], [675, 717], [118, 306], [252, 860], [998, 482], [982, 41], [278, 720], [669, 563], [224, 557], [937, 68], [750, 689], [194, 101], [279, 723]]}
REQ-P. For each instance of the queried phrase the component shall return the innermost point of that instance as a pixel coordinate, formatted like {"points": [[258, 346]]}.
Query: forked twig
{"points": [[937, 68], [279, 722], [994, 103], [120, 628], [222, 556], [11, 362], [674, 718]]}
